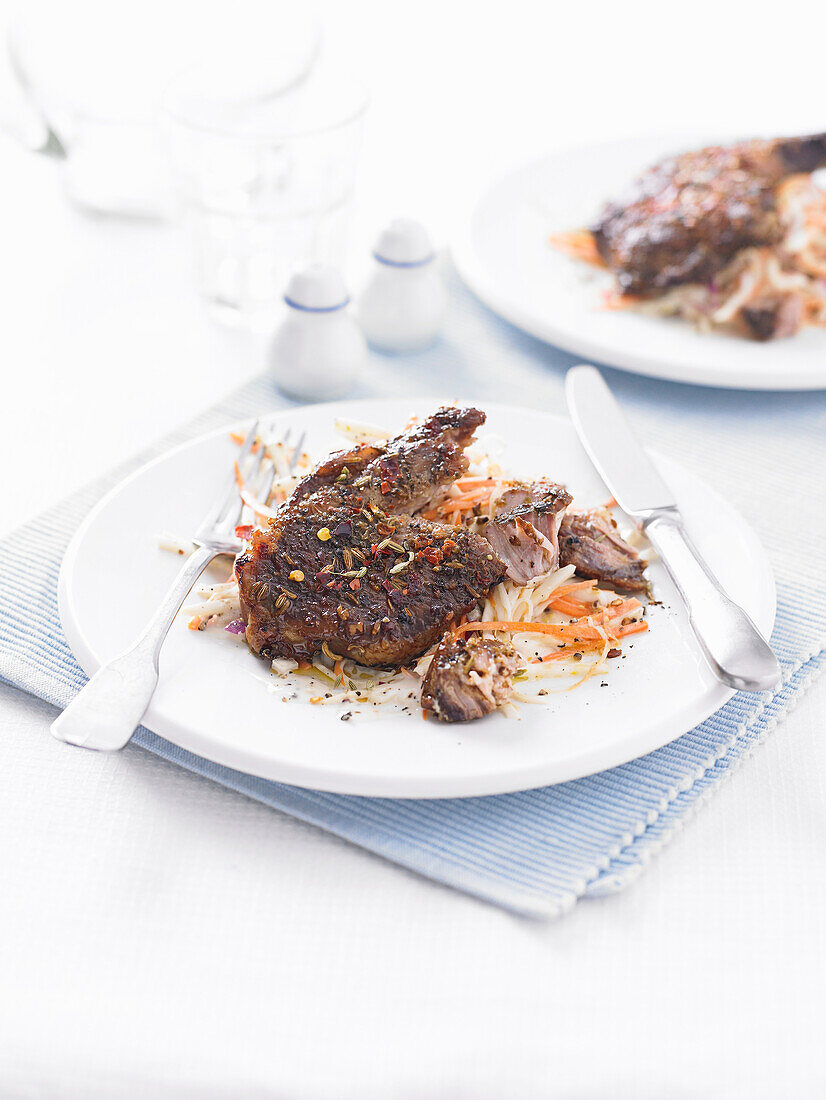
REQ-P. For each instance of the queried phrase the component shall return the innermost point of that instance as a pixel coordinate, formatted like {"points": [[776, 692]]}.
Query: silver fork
{"points": [[109, 709]]}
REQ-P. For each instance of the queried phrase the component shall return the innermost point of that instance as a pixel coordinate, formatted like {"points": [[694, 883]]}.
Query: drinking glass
{"points": [[265, 182], [95, 73]]}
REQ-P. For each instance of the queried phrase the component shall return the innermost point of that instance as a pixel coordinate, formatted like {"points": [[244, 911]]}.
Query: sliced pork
{"points": [[591, 542], [524, 530], [469, 677], [774, 316]]}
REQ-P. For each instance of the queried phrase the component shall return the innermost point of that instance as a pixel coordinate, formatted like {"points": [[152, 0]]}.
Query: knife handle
{"points": [[733, 645]]}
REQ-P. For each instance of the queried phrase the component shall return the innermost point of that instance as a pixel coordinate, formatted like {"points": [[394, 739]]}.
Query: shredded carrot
{"points": [[565, 589], [574, 631], [569, 651], [620, 610], [452, 511], [466, 500], [470, 495], [574, 608], [579, 244], [590, 628], [470, 481], [614, 300], [451, 508], [194, 622], [238, 437], [613, 614], [633, 628], [578, 632]]}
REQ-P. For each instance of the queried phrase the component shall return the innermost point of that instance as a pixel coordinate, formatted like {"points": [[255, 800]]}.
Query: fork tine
{"points": [[265, 483], [229, 490], [294, 457], [235, 505], [268, 471], [258, 471]]}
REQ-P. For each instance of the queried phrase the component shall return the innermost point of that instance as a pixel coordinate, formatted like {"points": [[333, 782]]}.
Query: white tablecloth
{"points": [[164, 937]]}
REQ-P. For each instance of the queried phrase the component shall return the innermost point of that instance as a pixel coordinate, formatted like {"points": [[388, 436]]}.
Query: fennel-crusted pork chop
{"points": [[341, 467], [348, 568], [377, 588], [402, 476], [684, 219]]}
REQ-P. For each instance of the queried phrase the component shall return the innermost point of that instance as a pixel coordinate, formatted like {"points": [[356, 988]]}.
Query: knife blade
{"points": [[616, 453], [734, 648]]}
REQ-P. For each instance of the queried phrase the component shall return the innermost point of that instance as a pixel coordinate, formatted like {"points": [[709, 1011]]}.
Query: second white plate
{"points": [[217, 700], [502, 253]]}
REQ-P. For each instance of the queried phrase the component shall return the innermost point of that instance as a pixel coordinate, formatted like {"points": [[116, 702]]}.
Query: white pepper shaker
{"points": [[403, 305], [318, 351]]}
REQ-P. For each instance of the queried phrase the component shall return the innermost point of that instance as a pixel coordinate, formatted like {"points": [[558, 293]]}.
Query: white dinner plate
{"points": [[218, 700], [503, 254]]}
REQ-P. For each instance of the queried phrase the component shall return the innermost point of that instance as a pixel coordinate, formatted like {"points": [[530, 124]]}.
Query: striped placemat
{"points": [[538, 851]]}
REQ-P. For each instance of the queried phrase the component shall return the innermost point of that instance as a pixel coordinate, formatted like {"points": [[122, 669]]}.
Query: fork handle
{"points": [[109, 708]]}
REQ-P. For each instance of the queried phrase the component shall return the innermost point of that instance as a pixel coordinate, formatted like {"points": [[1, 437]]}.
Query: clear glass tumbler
{"points": [[265, 183], [96, 73]]}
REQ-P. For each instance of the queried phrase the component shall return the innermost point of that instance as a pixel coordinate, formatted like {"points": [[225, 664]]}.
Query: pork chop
{"points": [[348, 569], [685, 218]]}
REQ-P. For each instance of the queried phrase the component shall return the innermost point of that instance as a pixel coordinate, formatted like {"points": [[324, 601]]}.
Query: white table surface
{"points": [[163, 937]]}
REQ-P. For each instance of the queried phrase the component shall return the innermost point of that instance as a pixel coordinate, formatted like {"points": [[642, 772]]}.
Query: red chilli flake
{"points": [[386, 487], [355, 584]]}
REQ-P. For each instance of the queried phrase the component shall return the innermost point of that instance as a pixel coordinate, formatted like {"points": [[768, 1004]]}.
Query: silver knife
{"points": [[733, 646]]}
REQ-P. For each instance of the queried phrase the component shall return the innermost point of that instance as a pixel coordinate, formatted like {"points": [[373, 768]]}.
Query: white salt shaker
{"points": [[318, 351], [403, 305]]}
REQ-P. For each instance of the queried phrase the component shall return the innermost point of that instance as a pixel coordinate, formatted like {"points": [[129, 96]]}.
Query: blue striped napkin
{"points": [[538, 851]]}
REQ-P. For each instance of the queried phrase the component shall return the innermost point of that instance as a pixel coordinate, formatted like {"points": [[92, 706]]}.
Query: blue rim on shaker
{"points": [[316, 309], [404, 243], [317, 289], [403, 263]]}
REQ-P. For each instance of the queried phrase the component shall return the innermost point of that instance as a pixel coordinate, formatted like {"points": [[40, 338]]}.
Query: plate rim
{"points": [[483, 285], [312, 777]]}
